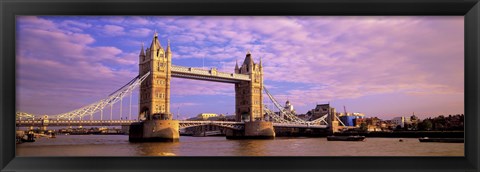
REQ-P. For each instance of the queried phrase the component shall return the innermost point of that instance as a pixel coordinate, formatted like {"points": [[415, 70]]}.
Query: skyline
{"points": [[380, 66]]}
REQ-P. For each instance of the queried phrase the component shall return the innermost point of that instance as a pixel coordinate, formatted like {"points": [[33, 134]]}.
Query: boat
{"points": [[30, 138], [345, 138], [52, 135], [443, 140], [18, 136]]}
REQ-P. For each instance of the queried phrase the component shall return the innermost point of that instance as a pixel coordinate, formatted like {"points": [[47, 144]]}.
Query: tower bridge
{"points": [[252, 118], [182, 123]]}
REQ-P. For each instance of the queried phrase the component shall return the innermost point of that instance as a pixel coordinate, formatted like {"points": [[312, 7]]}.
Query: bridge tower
{"points": [[154, 104], [249, 102], [155, 90], [248, 94]]}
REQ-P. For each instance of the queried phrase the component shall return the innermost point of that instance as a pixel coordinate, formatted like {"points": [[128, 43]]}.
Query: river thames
{"points": [[118, 145]]}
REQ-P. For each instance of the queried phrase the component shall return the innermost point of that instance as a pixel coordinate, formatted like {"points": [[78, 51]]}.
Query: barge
{"points": [[345, 138], [442, 140]]}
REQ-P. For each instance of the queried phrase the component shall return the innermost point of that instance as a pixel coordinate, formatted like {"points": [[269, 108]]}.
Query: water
{"points": [[118, 145]]}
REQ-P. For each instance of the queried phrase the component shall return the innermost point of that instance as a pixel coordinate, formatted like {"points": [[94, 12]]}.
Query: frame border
{"points": [[10, 8]]}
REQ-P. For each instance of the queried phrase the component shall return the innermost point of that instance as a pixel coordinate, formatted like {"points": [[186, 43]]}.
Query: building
{"points": [[373, 121], [289, 107], [303, 116], [350, 119], [400, 121], [205, 116], [359, 121], [319, 111]]}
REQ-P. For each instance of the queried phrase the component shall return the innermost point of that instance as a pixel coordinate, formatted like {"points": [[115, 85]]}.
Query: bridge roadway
{"points": [[208, 75], [183, 124]]}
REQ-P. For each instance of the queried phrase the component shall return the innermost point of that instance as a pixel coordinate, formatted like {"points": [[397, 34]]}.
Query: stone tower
{"points": [[154, 95], [156, 123], [248, 95]]}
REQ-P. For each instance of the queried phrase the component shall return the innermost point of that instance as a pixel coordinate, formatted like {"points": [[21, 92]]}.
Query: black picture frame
{"points": [[10, 8]]}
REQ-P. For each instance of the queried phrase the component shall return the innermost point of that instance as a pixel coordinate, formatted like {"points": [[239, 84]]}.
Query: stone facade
{"points": [[155, 90], [248, 94]]}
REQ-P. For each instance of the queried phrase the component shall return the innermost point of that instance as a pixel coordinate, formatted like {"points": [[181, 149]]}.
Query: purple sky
{"points": [[380, 66]]}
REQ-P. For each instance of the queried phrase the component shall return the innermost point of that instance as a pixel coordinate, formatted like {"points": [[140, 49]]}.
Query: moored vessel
{"points": [[443, 140], [345, 138]]}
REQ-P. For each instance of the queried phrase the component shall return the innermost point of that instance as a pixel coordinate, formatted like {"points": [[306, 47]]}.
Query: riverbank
{"points": [[407, 134]]}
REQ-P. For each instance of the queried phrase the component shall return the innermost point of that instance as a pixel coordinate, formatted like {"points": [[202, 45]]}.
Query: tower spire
{"points": [[155, 43], [142, 52], [168, 45], [248, 59]]}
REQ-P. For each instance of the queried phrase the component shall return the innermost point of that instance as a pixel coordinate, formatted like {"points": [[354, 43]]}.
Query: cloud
{"points": [[140, 21], [68, 68], [140, 32], [113, 30], [325, 57], [187, 87]]}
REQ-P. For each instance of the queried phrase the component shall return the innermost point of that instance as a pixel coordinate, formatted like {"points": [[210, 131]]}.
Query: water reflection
{"points": [[118, 145], [250, 147], [157, 149]]}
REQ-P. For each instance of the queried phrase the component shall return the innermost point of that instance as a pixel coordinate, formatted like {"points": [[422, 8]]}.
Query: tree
{"points": [[363, 127], [425, 125]]}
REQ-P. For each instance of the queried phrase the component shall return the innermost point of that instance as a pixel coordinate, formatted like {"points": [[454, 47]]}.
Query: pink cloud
{"points": [[332, 57], [113, 30], [183, 87], [140, 32]]}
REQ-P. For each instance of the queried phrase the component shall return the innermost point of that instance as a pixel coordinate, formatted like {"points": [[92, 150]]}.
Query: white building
{"points": [[289, 107], [401, 121]]}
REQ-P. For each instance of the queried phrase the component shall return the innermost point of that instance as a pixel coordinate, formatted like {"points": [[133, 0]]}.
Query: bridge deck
{"points": [[230, 124], [208, 75]]}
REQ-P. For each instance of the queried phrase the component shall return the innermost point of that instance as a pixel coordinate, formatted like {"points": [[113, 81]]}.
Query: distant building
{"points": [[303, 116], [373, 128], [414, 119], [204, 116], [373, 121], [359, 121], [350, 119], [289, 107], [230, 118], [401, 121], [319, 111]]}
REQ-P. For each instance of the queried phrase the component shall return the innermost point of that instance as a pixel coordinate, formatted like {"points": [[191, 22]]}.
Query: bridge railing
{"points": [[299, 125], [210, 122]]}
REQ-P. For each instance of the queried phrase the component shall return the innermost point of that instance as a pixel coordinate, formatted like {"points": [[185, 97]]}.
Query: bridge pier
{"points": [[254, 130], [154, 130]]}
